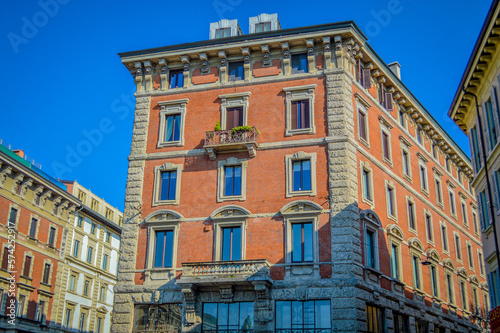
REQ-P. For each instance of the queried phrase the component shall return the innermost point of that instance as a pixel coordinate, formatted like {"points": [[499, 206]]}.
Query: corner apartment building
{"points": [[91, 263], [476, 110], [288, 180], [35, 210]]}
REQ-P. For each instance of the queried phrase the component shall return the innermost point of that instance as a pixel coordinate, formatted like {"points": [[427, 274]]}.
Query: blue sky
{"points": [[67, 99]]}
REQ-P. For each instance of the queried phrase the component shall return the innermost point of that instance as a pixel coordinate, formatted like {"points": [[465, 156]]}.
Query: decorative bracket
{"points": [[226, 293], [267, 58], [4, 172], [204, 63], [189, 292]]}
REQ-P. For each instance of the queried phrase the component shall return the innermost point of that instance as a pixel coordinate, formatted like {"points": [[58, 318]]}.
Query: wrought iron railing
{"points": [[214, 138], [237, 267]]}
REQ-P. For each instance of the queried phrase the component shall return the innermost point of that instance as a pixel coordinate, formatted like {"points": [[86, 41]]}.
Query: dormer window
{"points": [[299, 63], [263, 27], [223, 33]]}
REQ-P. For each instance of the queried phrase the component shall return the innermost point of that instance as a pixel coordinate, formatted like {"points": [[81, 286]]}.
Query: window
{"points": [[299, 102], [385, 128], [76, 248], [98, 325], [167, 184], [306, 316], [395, 257], [33, 226], [145, 318], [81, 196], [263, 27], [458, 249], [476, 153], [439, 192], [480, 260], [428, 226], [236, 71], [483, 210], [92, 228], [21, 303], [434, 150], [40, 311], [475, 298], [419, 135], [108, 237], [423, 178], [232, 179], [46, 274], [12, 217], [370, 248], [491, 125], [52, 236], [300, 114], [453, 210], [406, 163], [301, 174], [172, 118], [444, 237], [102, 293], [81, 324], [299, 63], [494, 287], [72, 280], [234, 117], [401, 117], [67, 318], [470, 256], [417, 282], [302, 242], [463, 294], [176, 79], [411, 215], [38, 198], [384, 97], [366, 180], [401, 323], [90, 251], [362, 125], [231, 243], [86, 287], [105, 262], [391, 200], [94, 205], [109, 214], [5, 258], [363, 75], [434, 280], [27, 266], [223, 33], [447, 163], [375, 322], [79, 221], [224, 317], [164, 248], [464, 214]]}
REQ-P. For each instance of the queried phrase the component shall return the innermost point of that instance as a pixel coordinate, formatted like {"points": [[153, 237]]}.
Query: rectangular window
{"points": [[12, 217], [423, 177], [363, 133], [224, 317], [90, 250], [79, 222], [76, 247], [308, 316], [94, 205], [447, 163], [401, 118], [419, 135], [449, 287], [21, 303], [67, 319], [300, 114], [231, 243], [105, 262], [27, 266], [34, 223], [72, 280], [176, 79], [481, 265], [299, 63], [457, 247], [109, 214], [428, 224], [164, 248], [40, 310], [470, 256], [102, 294], [81, 325], [370, 248], [492, 128], [416, 271], [223, 33], [386, 146], [434, 150], [434, 280], [146, 318], [463, 297], [485, 218], [236, 71], [232, 180], [439, 192], [411, 215], [234, 118], [46, 274], [367, 186], [168, 185], [301, 175], [395, 261], [92, 228], [302, 242], [98, 325], [173, 130], [476, 154], [86, 288], [464, 213], [493, 288], [445, 237], [375, 322], [391, 200], [452, 203], [108, 237], [263, 27], [406, 163], [5, 258], [81, 196], [52, 236], [401, 323]]}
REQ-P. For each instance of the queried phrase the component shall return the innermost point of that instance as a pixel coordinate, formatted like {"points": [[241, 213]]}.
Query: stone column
{"points": [[123, 307], [348, 310]]}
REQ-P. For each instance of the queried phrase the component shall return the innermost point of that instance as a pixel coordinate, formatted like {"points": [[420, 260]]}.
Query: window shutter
{"points": [[494, 108], [488, 203], [305, 110], [485, 127], [388, 102], [294, 115], [229, 119], [494, 183], [479, 145], [366, 78]]}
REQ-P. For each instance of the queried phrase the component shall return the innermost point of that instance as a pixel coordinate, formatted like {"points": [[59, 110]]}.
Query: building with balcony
{"points": [[287, 180], [476, 110]]}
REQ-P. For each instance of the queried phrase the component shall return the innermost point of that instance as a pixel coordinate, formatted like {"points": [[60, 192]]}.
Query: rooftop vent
{"points": [[224, 28], [263, 23], [395, 67]]}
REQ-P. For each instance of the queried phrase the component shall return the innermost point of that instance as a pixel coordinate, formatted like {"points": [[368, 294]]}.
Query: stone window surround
{"points": [[428, 232], [417, 252], [236, 221], [299, 93], [153, 228], [167, 166], [38, 220], [390, 184], [437, 177], [77, 277], [26, 254], [6, 246], [45, 299], [366, 166], [385, 127], [453, 204], [52, 225], [51, 271], [105, 251], [171, 108], [458, 250], [470, 259], [289, 159], [362, 106], [103, 297], [84, 310], [409, 199], [396, 239], [464, 280], [231, 161], [375, 226], [405, 147], [77, 237], [436, 266], [479, 256], [441, 225], [13, 205], [26, 294], [422, 166], [71, 306], [91, 282], [93, 245], [235, 100]]}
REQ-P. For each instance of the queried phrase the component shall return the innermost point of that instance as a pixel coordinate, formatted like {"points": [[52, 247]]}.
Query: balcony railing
{"points": [[229, 140], [235, 268]]}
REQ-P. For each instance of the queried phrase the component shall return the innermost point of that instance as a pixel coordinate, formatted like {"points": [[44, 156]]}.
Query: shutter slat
{"points": [[366, 73], [388, 102], [294, 115]]}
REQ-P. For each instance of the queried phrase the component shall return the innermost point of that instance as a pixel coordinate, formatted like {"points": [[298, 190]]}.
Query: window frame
{"points": [[297, 71], [362, 107], [429, 227], [372, 224], [221, 175], [170, 108], [231, 101], [167, 166], [423, 173], [289, 159], [365, 168], [295, 94], [443, 230], [219, 225], [385, 131], [411, 201], [458, 247], [405, 151], [391, 201]]}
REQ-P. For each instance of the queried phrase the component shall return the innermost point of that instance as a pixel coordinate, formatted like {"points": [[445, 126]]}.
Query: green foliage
{"points": [[241, 129], [217, 126]]}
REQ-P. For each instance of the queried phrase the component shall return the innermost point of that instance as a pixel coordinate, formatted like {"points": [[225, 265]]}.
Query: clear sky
{"points": [[67, 100]]}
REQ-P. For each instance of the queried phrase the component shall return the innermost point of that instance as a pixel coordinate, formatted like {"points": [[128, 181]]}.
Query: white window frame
{"points": [[385, 128], [299, 93], [458, 246], [428, 232], [438, 189], [470, 255], [390, 184], [231, 101], [221, 174], [362, 106], [289, 159], [409, 200], [443, 240], [365, 166], [405, 148], [167, 166], [422, 171], [168, 108], [453, 204]]}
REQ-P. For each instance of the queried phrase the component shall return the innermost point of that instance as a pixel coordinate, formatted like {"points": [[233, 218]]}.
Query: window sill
{"points": [[424, 192], [166, 202], [413, 231], [440, 204], [291, 132], [431, 242], [300, 193], [387, 161], [232, 198], [169, 144], [392, 217], [408, 178], [368, 202], [364, 142]]}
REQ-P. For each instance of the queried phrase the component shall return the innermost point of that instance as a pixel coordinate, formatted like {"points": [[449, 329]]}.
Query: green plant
{"points": [[217, 126], [241, 129]]}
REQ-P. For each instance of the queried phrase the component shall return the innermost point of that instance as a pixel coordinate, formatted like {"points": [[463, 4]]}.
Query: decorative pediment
{"points": [[433, 255], [167, 166], [370, 216], [474, 280], [448, 263], [230, 212], [305, 207], [395, 231], [102, 309], [415, 243], [461, 271], [163, 215], [484, 285]]}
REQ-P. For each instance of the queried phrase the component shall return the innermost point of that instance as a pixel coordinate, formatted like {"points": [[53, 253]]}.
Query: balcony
{"points": [[228, 141], [226, 272]]}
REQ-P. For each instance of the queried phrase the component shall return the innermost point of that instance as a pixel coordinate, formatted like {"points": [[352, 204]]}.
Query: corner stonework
{"points": [[123, 307]]}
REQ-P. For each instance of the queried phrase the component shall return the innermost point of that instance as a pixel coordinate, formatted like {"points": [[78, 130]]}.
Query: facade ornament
{"points": [[148, 75], [185, 61], [246, 55], [163, 73], [267, 58], [189, 292], [64, 205], [71, 209], [310, 47], [45, 195], [163, 65], [24, 186], [4, 172], [226, 293], [326, 44], [286, 50], [16, 182], [138, 75], [55, 204], [223, 58], [204, 63], [338, 43]]}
